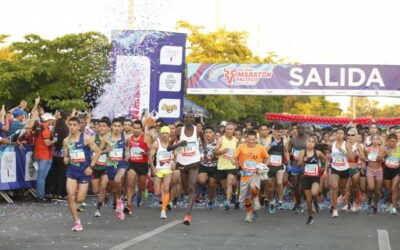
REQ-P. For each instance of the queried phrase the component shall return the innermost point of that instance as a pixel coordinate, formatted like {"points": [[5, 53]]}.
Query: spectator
{"points": [[43, 152]]}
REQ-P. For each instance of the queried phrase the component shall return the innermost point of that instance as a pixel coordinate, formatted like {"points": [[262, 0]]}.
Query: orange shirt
{"points": [[43, 152], [249, 157]]}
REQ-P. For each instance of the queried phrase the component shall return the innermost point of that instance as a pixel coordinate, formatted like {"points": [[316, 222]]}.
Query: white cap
{"points": [[47, 117], [223, 123]]}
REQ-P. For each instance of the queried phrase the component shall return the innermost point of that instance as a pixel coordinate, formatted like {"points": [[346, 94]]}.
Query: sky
{"points": [[309, 31]]}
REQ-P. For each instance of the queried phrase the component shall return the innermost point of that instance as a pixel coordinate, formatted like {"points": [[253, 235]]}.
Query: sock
{"points": [[99, 204], [165, 199]]}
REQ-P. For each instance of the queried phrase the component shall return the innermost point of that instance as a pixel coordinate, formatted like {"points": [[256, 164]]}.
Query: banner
{"points": [[284, 79], [148, 73], [16, 168]]}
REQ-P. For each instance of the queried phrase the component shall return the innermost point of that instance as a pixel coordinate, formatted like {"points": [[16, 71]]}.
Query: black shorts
{"points": [[342, 174], [353, 171], [210, 171], [307, 181], [363, 173], [274, 170], [139, 168], [223, 174], [98, 173], [390, 173]]}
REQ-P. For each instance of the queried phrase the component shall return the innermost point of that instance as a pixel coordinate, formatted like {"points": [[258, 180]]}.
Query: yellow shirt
{"points": [[225, 160]]}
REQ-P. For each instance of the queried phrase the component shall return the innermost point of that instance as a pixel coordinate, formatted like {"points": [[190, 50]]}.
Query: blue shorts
{"points": [[78, 174], [295, 170], [112, 170]]}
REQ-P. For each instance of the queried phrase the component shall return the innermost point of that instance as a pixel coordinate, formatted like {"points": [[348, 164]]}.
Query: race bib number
{"points": [[249, 167], [116, 154], [77, 155], [102, 160], [229, 154], [136, 154], [296, 154], [164, 158], [311, 169], [372, 156], [189, 149], [338, 159], [276, 160], [392, 162]]}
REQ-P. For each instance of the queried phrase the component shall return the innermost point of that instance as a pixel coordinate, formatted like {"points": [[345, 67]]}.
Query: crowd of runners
{"points": [[254, 164]]}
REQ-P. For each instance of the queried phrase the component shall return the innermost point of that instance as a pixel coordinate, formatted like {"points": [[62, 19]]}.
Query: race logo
{"points": [[170, 81], [245, 76], [169, 108]]}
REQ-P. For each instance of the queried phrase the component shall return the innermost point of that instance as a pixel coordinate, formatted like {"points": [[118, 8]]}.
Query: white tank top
{"points": [[339, 160], [190, 153], [164, 157]]}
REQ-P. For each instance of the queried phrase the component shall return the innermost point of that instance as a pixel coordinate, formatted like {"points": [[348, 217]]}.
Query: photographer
{"points": [[43, 151]]}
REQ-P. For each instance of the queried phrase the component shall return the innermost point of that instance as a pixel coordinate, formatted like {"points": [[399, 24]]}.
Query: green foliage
{"points": [[62, 71], [316, 105]]}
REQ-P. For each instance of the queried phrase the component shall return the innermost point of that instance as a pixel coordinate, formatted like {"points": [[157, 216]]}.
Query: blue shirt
{"points": [[14, 126]]}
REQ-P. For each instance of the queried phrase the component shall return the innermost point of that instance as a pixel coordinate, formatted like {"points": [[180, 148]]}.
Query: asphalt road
{"points": [[27, 225]]}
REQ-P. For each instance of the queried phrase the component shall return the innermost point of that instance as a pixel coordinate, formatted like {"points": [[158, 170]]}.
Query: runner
{"points": [[188, 158], [77, 155], [310, 158], [208, 165], [391, 172], [248, 156], [227, 171], [100, 178], [128, 127], [139, 145], [116, 164], [296, 145], [373, 129], [163, 169], [375, 154], [341, 151], [356, 156], [176, 183], [278, 151]]}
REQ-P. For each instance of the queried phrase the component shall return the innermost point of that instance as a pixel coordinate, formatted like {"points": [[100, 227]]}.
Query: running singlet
{"points": [[79, 153], [298, 145], [312, 166], [117, 155], [136, 148], [225, 160], [206, 157], [372, 156], [190, 153], [339, 160], [102, 162], [393, 158], [164, 157], [276, 153], [355, 151]]}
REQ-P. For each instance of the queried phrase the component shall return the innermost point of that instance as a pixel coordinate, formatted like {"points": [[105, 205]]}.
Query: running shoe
{"points": [[340, 200], [77, 226], [295, 207], [254, 215], [237, 205], [186, 221], [280, 206], [139, 201], [233, 198], [163, 214], [227, 205], [346, 208], [353, 208], [80, 208], [256, 202], [317, 208], [271, 209], [210, 205], [375, 209], [170, 205], [128, 209], [145, 194], [310, 220], [119, 211], [335, 213], [97, 213], [249, 217], [393, 211]]}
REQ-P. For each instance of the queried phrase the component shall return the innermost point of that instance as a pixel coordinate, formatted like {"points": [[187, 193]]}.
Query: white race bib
{"points": [[189, 149], [102, 160], [311, 169], [249, 167], [136, 153], [372, 156], [392, 162], [229, 154], [77, 155], [276, 160], [116, 154], [296, 154]]}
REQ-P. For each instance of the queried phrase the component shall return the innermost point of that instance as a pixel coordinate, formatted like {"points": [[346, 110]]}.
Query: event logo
{"points": [[169, 108], [170, 81], [245, 76]]}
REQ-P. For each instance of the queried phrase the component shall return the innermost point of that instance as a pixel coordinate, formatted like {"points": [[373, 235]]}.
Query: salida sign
{"points": [[267, 79]]}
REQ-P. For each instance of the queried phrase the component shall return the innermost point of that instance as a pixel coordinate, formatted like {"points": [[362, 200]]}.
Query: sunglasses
{"points": [[351, 134]]}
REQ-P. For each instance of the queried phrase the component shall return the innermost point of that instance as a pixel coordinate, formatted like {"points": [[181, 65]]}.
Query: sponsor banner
{"points": [[284, 79], [148, 67], [16, 168]]}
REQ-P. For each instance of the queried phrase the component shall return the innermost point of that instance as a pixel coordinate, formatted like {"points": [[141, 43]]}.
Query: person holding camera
{"points": [[43, 152]]}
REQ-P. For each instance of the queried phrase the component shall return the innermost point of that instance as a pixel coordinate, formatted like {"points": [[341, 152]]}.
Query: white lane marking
{"points": [[145, 236], [383, 238]]}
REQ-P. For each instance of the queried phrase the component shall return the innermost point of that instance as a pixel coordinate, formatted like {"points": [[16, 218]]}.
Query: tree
{"points": [[65, 72], [224, 46], [364, 107], [316, 105]]}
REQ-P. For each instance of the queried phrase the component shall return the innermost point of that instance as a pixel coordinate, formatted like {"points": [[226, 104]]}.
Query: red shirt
{"points": [[136, 147], [43, 152]]}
